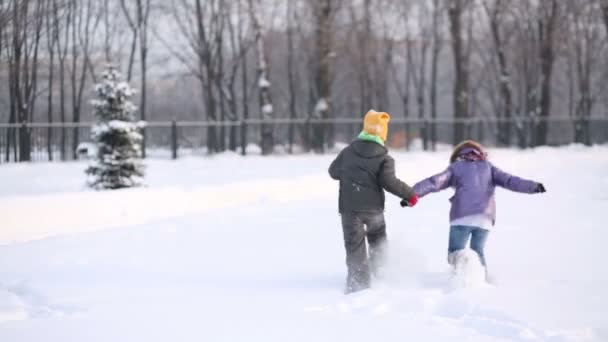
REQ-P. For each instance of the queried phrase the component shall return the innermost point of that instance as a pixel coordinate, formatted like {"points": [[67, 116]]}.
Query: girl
{"points": [[473, 209]]}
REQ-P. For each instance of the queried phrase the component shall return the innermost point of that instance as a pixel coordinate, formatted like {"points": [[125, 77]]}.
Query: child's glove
{"points": [[409, 202], [540, 188]]}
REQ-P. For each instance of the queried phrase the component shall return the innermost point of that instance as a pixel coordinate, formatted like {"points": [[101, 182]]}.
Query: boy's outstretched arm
{"points": [[392, 184], [336, 167], [434, 183], [514, 183]]}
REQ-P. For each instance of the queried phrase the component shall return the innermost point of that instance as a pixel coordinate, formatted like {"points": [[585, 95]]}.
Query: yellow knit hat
{"points": [[376, 123]]}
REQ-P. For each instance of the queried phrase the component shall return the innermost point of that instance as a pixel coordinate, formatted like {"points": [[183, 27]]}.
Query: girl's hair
{"points": [[466, 144]]}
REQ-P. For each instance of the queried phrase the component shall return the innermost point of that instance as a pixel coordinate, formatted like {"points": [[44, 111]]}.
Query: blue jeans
{"points": [[459, 236]]}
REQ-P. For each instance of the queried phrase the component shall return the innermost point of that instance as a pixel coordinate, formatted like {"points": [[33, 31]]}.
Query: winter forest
{"points": [[303, 170], [294, 75]]}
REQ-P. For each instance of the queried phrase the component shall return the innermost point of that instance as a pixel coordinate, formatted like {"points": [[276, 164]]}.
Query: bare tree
{"points": [[266, 106], [496, 11], [197, 23], [23, 68], [586, 40], [323, 11], [547, 21], [419, 70], [404, 85], [460, 95], [605, 13], [382, 62], [85, 20], [219, 76], [62, 43], [207, 63], [53, 36], [365, 54], [244, 81], [3, 23], [134, 36], [291, 72], [107, 35], [5, 16], [143, 14], [239, 47], [137, 18], [526, 72], [435, 52]]}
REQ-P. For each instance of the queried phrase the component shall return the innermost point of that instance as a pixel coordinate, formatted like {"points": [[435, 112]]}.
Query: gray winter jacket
{"points": [[364, 169]]}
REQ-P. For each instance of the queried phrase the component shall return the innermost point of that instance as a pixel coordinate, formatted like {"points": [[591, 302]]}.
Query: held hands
{"points": [[409, 202], [540, 188]]}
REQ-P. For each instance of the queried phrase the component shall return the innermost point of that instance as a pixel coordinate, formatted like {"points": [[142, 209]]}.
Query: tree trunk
{"points": [[62, 51], [605, 14], [461, 72], [219, 79], [506, 108], [437, 45], [245, 117], [547, 58], [365, 54], [405, 97], [106, 21], [244, 80], [420, 92], [291, 73], [73, 77], [238, 51], [143, 13], [52, 41], [134, 38], [584, 38], [23, 70], [206, 76], [323, 133], [266, 106]]}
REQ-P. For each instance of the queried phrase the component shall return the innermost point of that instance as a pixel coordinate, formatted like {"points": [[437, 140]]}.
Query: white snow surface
{"points": [[232, 248]]}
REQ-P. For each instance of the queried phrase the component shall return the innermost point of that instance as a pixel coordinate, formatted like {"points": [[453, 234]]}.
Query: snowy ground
{"points": [[250, 249]]}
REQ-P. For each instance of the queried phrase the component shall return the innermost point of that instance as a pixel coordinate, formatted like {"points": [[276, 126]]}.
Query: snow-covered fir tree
{"points": [[117, 136]]}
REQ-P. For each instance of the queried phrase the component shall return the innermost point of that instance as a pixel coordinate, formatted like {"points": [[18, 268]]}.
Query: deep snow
{"points": [[250, 249]]}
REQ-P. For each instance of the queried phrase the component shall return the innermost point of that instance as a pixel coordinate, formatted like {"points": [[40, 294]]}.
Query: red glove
{"points": [[409, 202]]}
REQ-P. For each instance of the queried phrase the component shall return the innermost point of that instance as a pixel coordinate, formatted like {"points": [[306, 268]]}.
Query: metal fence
{"points": [[171, 139]]}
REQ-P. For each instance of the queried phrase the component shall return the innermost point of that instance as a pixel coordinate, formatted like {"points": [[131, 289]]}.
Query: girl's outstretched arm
{"points": [[434, 183], [513, 183]]}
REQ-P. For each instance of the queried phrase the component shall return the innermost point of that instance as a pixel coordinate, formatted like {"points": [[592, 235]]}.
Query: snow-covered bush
{"points": [[118, 138]]}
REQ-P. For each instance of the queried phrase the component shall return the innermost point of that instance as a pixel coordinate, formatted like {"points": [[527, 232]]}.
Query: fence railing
{"points": [[171, 139]]}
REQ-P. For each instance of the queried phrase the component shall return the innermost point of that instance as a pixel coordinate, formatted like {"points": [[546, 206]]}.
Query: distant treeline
{"points": [[232, 60]]}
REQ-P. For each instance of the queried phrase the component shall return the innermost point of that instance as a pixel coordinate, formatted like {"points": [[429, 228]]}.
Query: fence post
{"points": [[243, 136], [17, 139], [425, 134], [480, 132], [407, 134], [174, 146]]}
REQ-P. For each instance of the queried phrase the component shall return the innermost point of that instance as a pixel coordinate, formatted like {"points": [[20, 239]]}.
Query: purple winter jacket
{"points": [[474, 182]]}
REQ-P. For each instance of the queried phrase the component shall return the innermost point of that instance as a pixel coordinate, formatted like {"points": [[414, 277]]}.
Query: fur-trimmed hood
{"points": [[466, 145]]}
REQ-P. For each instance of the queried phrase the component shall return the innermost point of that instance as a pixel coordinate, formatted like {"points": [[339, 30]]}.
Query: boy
{"points": [[365, 170]]}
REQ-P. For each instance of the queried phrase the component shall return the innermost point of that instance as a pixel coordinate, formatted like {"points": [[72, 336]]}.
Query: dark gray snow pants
{"points": [[357, 226]]}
